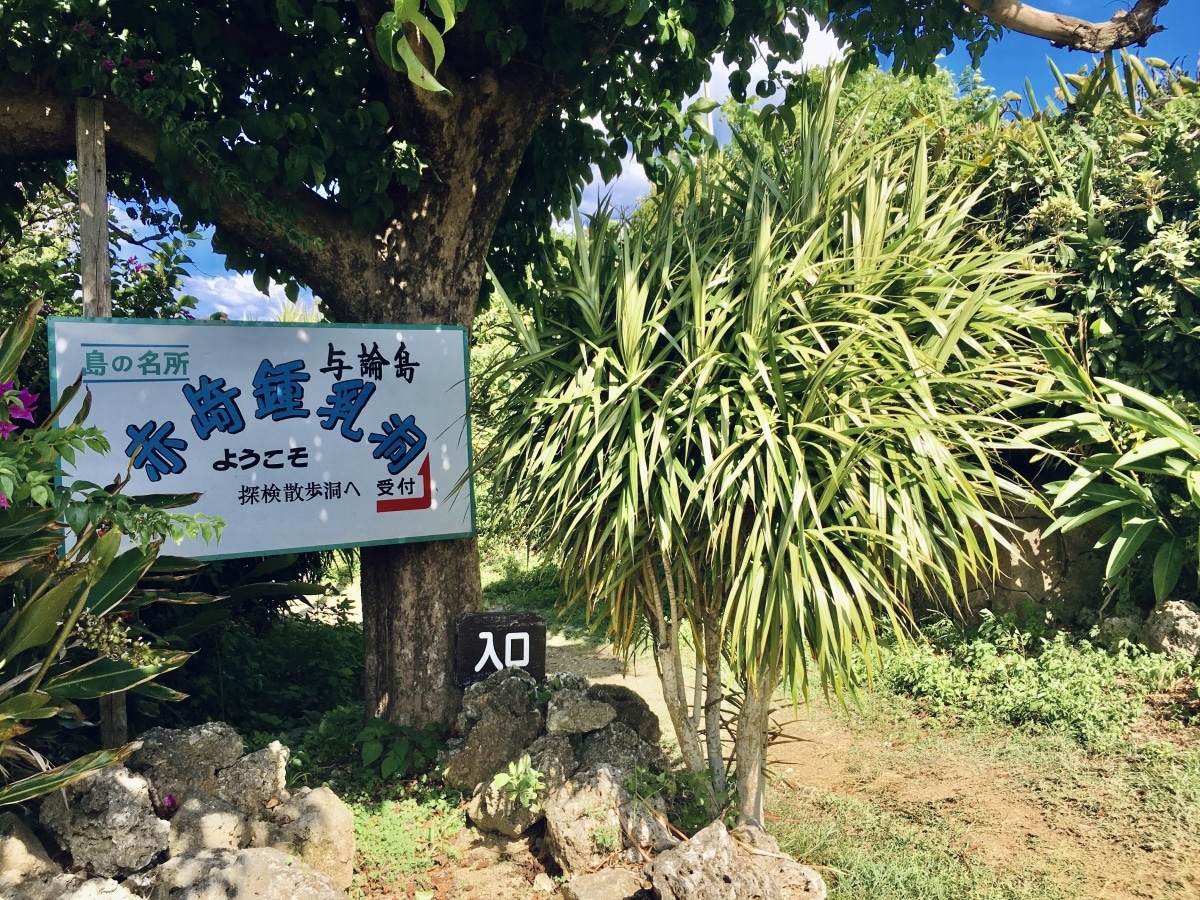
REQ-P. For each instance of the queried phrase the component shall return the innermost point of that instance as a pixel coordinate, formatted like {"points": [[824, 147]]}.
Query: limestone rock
{"points": [[507, 691], [42, 887], [107, 821], [21, 853], [1173, 627], [606, 884], [631, 709], [570, 681], [793, 880], [592, 817], [708, 867], [99, 889], [618, 746], [495, 740], [492, 809], [259, 873], [178, 760], [203, 822], [573, 712], [255, 779], [318, 827], [1114, 629], [553, 756]]}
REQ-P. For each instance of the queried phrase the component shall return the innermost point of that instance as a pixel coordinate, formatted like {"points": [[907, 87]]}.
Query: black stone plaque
{"points": [[490, 641]]}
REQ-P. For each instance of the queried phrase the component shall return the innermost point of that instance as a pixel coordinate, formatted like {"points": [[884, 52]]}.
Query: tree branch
{"points": [[1125, 29], [40, 126]]}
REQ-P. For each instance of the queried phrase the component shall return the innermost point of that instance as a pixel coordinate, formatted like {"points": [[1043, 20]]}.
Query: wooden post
{"points": [[94, 273], [96, 279]]}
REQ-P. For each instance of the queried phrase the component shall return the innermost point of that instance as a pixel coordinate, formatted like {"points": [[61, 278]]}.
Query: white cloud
{"points": [[235, 295]]}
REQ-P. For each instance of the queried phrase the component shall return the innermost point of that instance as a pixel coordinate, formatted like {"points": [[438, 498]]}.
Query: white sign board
{"points": [[299, 436]]}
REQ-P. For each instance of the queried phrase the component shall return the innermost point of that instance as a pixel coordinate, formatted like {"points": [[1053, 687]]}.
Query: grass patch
{"points": [[511, 583], [865, 853]]}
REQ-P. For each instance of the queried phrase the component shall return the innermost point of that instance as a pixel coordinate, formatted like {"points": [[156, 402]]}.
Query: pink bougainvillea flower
{"points": [[4, 504], [149, 76], [108, 65], [126, 60], [5, 387], [6, 428]]}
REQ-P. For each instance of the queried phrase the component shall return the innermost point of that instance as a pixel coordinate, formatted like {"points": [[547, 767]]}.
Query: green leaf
{"points": [[371, 751], [390, 764], [56, 779], [37, 621], [1127, 544], [120, 578], [100, 677], [1168, 563]]}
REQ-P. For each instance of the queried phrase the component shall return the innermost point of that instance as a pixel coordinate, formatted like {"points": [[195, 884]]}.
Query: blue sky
{"points": [[1005, 67]]}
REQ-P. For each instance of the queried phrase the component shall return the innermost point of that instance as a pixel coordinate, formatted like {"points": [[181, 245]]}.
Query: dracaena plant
{"points": [[767, 407], [66, 584]]}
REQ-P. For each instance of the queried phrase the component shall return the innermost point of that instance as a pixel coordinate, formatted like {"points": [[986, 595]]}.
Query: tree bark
{"points": [[714, 694], [412, 595]]}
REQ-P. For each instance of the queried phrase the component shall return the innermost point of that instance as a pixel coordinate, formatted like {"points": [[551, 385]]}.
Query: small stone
{"points": [[255, 779], [543, 883]]}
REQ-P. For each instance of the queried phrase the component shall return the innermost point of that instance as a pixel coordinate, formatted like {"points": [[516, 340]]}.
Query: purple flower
{"points": [[126, 61], [149, 76], [28, 400], [108, 65], [185, 314], [89, 31], [139, 268], [169, 802], [6, 428], [5, 387], [4, 504]]}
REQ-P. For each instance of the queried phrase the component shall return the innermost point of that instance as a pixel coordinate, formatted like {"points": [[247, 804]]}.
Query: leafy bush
{"points": [[63, 636], [284, 679], [400, 750], [997, 674], [689, 798]]}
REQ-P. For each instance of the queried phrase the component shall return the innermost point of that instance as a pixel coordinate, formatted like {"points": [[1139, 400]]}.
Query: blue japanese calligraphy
{"points": [[345, 403], [279, 390], [401, 442], [214, 407], [152, 448]]}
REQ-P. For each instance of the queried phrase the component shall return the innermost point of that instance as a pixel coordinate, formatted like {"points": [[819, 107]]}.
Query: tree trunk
{"points": [[412, 595], [750, 747], [714, 694], [670, 666]]}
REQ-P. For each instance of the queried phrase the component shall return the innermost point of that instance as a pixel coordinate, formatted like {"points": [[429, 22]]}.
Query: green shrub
{"points": [[997, 674], [284, 679]]}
